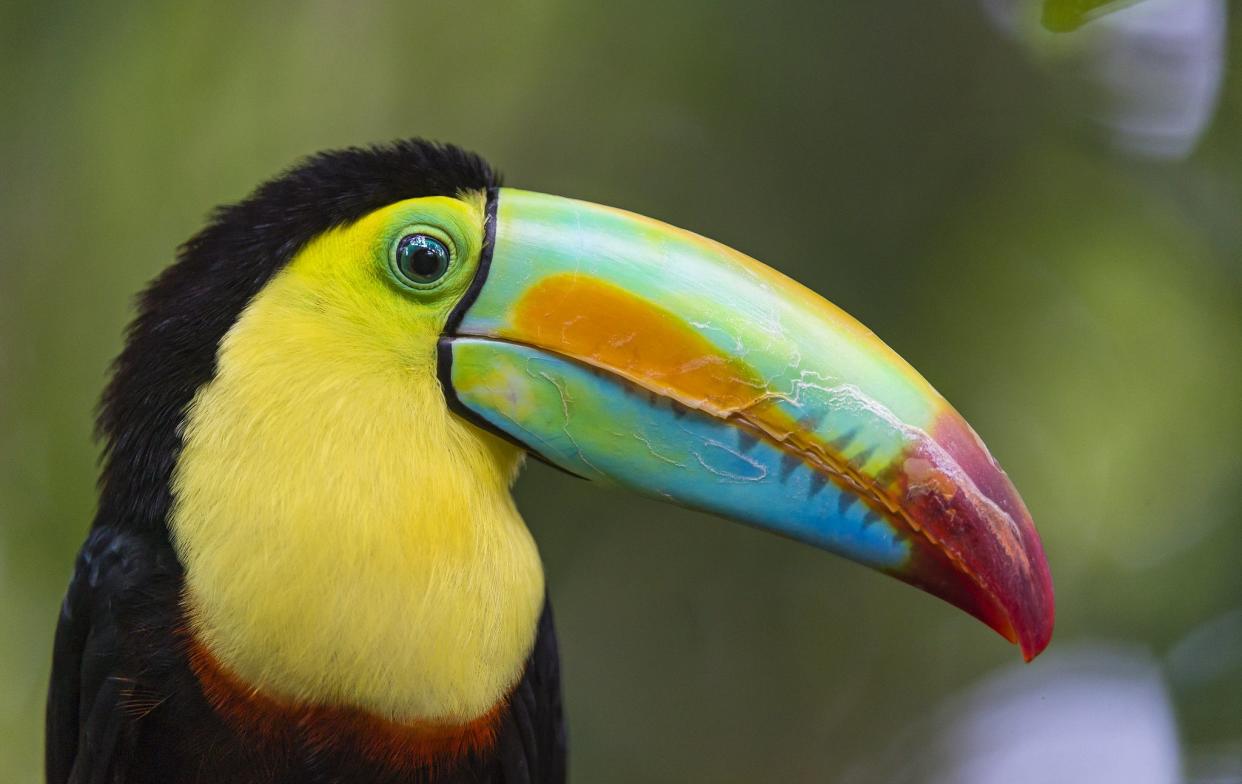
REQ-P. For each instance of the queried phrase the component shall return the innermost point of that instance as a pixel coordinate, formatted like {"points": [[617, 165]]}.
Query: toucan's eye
{"points": [[421, 259]]}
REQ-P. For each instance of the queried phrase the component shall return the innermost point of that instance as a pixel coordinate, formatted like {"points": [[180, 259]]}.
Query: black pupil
{"points": [[422, 258]]}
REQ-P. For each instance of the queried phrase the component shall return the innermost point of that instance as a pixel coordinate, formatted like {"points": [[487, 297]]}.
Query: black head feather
{"points": [[170, 348]]}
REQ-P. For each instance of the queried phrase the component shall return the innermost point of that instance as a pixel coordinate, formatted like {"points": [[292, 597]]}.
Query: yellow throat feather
{"points": [[348, 541]]}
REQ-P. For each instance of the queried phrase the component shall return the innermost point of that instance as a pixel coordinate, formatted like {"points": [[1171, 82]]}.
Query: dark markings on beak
{"points": [[818, 481], [840, 443], [844, 502], [789, 462], [746, 440], [862, 457]]}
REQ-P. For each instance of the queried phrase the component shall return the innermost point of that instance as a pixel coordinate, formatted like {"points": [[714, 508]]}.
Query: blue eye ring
{"points": [[420, 259]]}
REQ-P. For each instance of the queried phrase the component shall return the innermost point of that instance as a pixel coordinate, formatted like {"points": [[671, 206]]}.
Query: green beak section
{"points": [[633, 353]]}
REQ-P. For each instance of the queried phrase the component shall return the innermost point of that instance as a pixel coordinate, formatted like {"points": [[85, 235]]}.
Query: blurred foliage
{"points": [[1082, 308], [1063, 16]]}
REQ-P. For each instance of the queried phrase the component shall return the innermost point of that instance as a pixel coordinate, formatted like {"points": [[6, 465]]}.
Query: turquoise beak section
{"points": [[658, 448]]}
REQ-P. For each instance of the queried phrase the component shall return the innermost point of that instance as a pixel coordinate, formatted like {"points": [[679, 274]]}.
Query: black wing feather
{"points": [[87, 724], [532, 740]]}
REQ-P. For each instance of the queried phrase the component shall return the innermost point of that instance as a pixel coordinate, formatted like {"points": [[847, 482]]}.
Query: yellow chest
{"points": [[346, 540]]}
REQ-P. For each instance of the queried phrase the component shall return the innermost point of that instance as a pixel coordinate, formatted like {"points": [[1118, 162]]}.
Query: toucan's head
{"points": [[386, 332]]}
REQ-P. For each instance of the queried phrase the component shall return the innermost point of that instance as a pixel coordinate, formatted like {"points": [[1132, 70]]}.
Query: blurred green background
{"points": [[968, 185]]}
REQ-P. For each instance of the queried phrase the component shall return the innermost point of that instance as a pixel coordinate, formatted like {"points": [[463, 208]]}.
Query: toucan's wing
{"points": [[90, 716], [531, 742]]}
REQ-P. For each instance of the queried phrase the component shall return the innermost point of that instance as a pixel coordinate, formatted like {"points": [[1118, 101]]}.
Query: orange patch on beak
{"points": [[607, 327]]}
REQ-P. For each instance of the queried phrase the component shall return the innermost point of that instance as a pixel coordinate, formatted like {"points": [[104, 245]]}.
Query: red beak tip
{"points": [[1034, 644], [1034, 621]]}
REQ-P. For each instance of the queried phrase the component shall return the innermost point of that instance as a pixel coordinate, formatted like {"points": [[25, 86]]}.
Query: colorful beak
{"points": [[634, 353]]}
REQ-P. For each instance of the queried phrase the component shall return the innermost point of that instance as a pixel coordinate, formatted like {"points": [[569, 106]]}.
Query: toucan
{"points": [[306, 565]]}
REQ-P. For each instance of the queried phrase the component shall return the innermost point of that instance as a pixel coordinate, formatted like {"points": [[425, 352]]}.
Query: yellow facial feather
{"points": [[347, 540]]}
